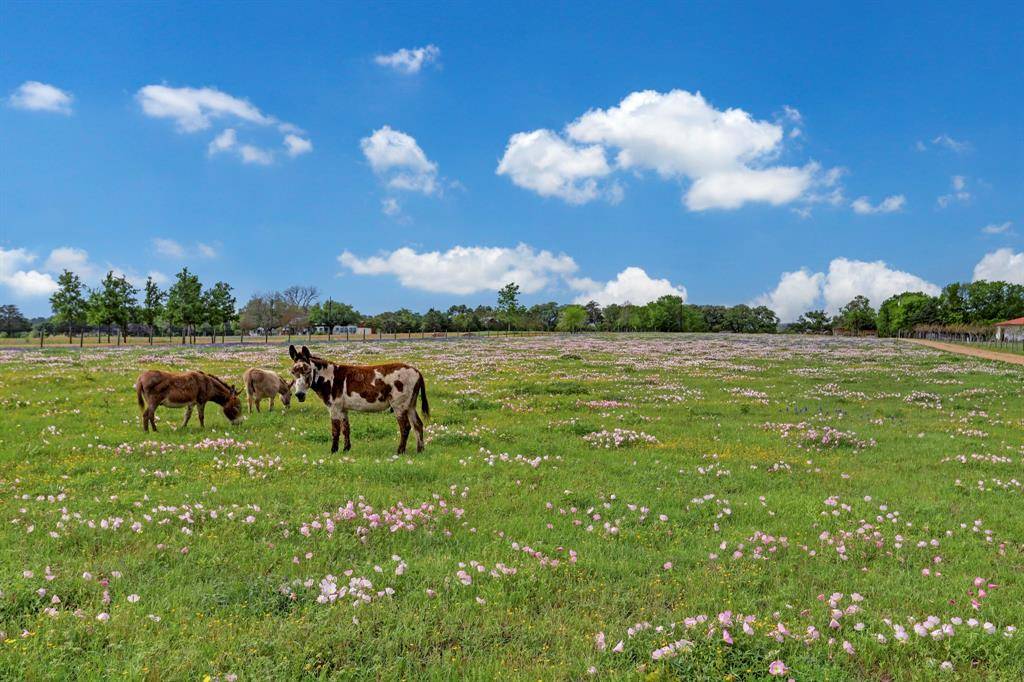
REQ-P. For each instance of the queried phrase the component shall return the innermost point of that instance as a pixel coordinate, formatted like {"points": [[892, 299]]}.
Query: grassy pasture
{"points": [[587, 508]]}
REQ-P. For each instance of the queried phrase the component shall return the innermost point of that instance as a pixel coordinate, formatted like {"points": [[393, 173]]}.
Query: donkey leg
{"points": [[335, 432], [403, 428], [417, 425], [250, 401], [188, 415], [272, 402], [202, 415], [346, 430], [150, 415]]}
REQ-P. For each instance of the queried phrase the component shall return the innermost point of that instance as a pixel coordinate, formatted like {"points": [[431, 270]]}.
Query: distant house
{"points": [[1011, 330]]}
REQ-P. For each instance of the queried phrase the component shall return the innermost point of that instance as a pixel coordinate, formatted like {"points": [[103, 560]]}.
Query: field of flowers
{"points": [[586, 508]]}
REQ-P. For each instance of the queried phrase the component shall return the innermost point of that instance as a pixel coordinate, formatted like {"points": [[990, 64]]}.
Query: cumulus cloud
{"points": [[795, 294], [22, 282], [398, 159], [890, 204], [545, 163], [206, 251], [69, 258], [800, 291], [466, 269], [849, 278], [632, 285], [36, 96], [390, 207], [726, 155], [1002, 265], [410, 61], [197, 109], [998, 228], [296, 145]]}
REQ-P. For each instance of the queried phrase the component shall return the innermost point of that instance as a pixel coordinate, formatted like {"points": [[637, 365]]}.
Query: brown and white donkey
{"points": [[363, 388]]}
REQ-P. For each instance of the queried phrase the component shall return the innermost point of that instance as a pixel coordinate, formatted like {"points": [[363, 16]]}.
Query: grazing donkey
{"points": [[363, 388], [260, 384], [155, 387]]}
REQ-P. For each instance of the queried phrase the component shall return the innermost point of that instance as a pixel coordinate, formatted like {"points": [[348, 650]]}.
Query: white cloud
{"points": [[632, 285], [297, 145], [795, 294], [396, 157], [69, 258], [196, 109], [36, 96], [223, 142], [725, 154], [1002, 265], [948, 142], [168, 247], [732, 189], [158, 277], [390, 207], [959, 193], [466, 269], [175, 249], [890, 204], [545, 163], [409, 61], [876, 280], [22, 282], [252, 154], [998, 228]]}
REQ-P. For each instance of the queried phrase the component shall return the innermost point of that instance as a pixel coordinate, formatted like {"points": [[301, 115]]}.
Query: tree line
{"points": [[971, 307], [189, 308], [116, 304]]}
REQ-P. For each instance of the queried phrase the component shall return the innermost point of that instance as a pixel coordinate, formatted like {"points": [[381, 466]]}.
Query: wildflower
{"points": [[777, 668]]}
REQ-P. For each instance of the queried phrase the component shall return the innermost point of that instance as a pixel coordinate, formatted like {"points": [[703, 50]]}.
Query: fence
{"points": [[979, 337]]}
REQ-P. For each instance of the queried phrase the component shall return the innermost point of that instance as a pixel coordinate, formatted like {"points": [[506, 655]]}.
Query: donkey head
{"points": [[233, 407], [304, 371]]}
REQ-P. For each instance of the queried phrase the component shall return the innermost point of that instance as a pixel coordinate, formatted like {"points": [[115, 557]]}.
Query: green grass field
{"points": [[692, 507]]}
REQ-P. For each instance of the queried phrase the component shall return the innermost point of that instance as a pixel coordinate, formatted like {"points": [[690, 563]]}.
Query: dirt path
{"points": [[973, 352]]}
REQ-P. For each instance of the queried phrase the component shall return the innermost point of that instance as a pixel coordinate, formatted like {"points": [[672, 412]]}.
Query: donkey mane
{"points": [[220, 383]]}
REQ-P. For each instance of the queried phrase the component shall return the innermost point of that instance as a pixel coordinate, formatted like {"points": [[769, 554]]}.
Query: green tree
{"points": [[68, 302], [152, 308], [572, 318], [12, 321], [857, 315], [435, 321], [219, 308], [96, 313], [813, 322], [118, 302], [185, 303], [508, 303]]}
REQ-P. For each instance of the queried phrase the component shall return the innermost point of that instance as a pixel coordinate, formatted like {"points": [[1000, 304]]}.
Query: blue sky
{"points": [[737, 152]]}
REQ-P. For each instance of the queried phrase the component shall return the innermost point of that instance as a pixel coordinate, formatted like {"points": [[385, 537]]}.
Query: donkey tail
{"points": [[138, 394], [421, 386]]}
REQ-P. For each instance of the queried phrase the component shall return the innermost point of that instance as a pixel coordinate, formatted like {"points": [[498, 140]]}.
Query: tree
{"points": [[435, 321], [185, 303], [508, 303], [219, 307], [118, 296], [68, 303], [901, 313], [572, 318], [594, 314], [544, 315], [857, 315], [96, 312], [263, 311], [12, 321], [813, 322], [152, 305]]}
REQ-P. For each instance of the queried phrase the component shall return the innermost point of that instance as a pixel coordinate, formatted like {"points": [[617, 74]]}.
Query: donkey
{"points": [[155, 387], [260, 384], [363, 388]]}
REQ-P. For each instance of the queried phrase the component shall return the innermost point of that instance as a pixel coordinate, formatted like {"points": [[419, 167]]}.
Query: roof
{"points": [[1015, 322]]}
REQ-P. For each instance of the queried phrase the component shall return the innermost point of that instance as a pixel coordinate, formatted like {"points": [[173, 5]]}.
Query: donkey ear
{"points": [[305, 353], [292, 353]]}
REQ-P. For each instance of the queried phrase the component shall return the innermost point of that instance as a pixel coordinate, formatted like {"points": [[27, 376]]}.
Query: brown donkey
{"points": [[155, 387], [363, 388], [260, 384]]}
